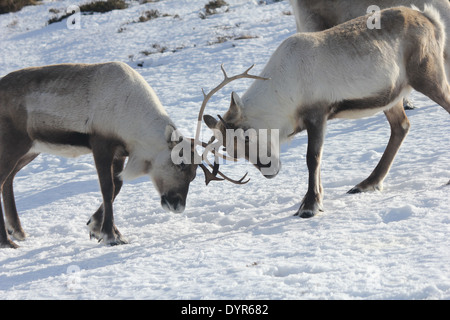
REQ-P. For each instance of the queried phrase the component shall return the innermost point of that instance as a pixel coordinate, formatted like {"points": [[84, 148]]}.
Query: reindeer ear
{"points": [[210, 121], [172, 136], [236, 105]]}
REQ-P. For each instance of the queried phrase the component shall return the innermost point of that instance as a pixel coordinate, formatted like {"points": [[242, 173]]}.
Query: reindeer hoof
{"points": [[19, 235], [108, 240], [305, 214], [94, 229], [8, 244], [115, 241], [354, 190], [365, 187]]}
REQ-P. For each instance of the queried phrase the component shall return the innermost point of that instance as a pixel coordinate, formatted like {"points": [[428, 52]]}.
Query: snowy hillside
{"points": [[232, 242]]}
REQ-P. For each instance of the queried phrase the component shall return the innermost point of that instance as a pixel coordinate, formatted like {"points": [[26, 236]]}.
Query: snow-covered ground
{"points": [[232, 242]]}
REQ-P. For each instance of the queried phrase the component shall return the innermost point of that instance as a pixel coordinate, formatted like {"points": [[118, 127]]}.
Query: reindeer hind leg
{"points": [[13, 224], [429, 77], [399, 129]]}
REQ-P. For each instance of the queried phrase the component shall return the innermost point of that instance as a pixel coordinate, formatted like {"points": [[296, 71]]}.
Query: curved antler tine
{"points": [[251, 67], [208, 175], [208, 96], [240, 181], [223, 71], [216, 168]]}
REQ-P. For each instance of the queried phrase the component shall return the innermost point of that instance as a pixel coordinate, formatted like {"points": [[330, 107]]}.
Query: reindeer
{"points": [[319, 15], [348, 71], [108, 110], [72, 109]]}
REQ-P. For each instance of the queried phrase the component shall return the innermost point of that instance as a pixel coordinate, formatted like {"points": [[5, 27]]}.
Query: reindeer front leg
{"points": [[96, 220], [14, 145], [312, 201], [13, 224], [103, 150]]}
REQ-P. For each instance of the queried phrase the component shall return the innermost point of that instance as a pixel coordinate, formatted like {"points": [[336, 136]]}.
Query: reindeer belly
{"points": [[68, 151], [366, 107], [66, 144], [357, 113]]}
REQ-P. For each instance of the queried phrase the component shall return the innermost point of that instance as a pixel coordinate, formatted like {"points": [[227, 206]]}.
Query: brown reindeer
{"points": [[348, 71], [318, 15]]}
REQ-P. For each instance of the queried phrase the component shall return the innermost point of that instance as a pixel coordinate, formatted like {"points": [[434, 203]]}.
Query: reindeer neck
{"points": [[268, 106]]}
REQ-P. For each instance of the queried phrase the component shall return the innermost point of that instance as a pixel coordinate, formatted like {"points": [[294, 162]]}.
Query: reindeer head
{"points": [[174, 169], [243, 139], [171, 175], [215, 167]]}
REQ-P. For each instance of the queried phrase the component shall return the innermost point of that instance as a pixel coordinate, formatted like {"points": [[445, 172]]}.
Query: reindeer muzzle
{"points": [[173, 203], [269, 170]]}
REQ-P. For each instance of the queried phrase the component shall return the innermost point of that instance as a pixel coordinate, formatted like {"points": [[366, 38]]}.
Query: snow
{"points": [[232, 242]]}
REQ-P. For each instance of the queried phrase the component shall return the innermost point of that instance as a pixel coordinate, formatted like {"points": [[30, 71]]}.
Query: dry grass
{"points": [[103, 6], [149, 15], [212, 6], [91, 7], [222, 39], [15, 5]]}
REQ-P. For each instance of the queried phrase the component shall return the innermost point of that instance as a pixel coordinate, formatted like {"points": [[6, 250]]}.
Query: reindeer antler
{"points": [[209, 176], [208, 96]]}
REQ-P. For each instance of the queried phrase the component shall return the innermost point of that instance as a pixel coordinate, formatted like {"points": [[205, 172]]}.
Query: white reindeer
{"points": [[348, 71], [73, 109]]}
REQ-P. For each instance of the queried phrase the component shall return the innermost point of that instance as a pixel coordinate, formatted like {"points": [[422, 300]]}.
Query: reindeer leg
{"points": [[13, 225], [440, 95], [312, 202], [429, 77], [95, 222], [5, 242], [13, 146], [103, 150], [399, 129]]}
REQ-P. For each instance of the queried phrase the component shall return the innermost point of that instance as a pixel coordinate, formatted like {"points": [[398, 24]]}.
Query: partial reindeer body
{"points": [[348, 71], [73, 109], [319, 15], [103, 99]]}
